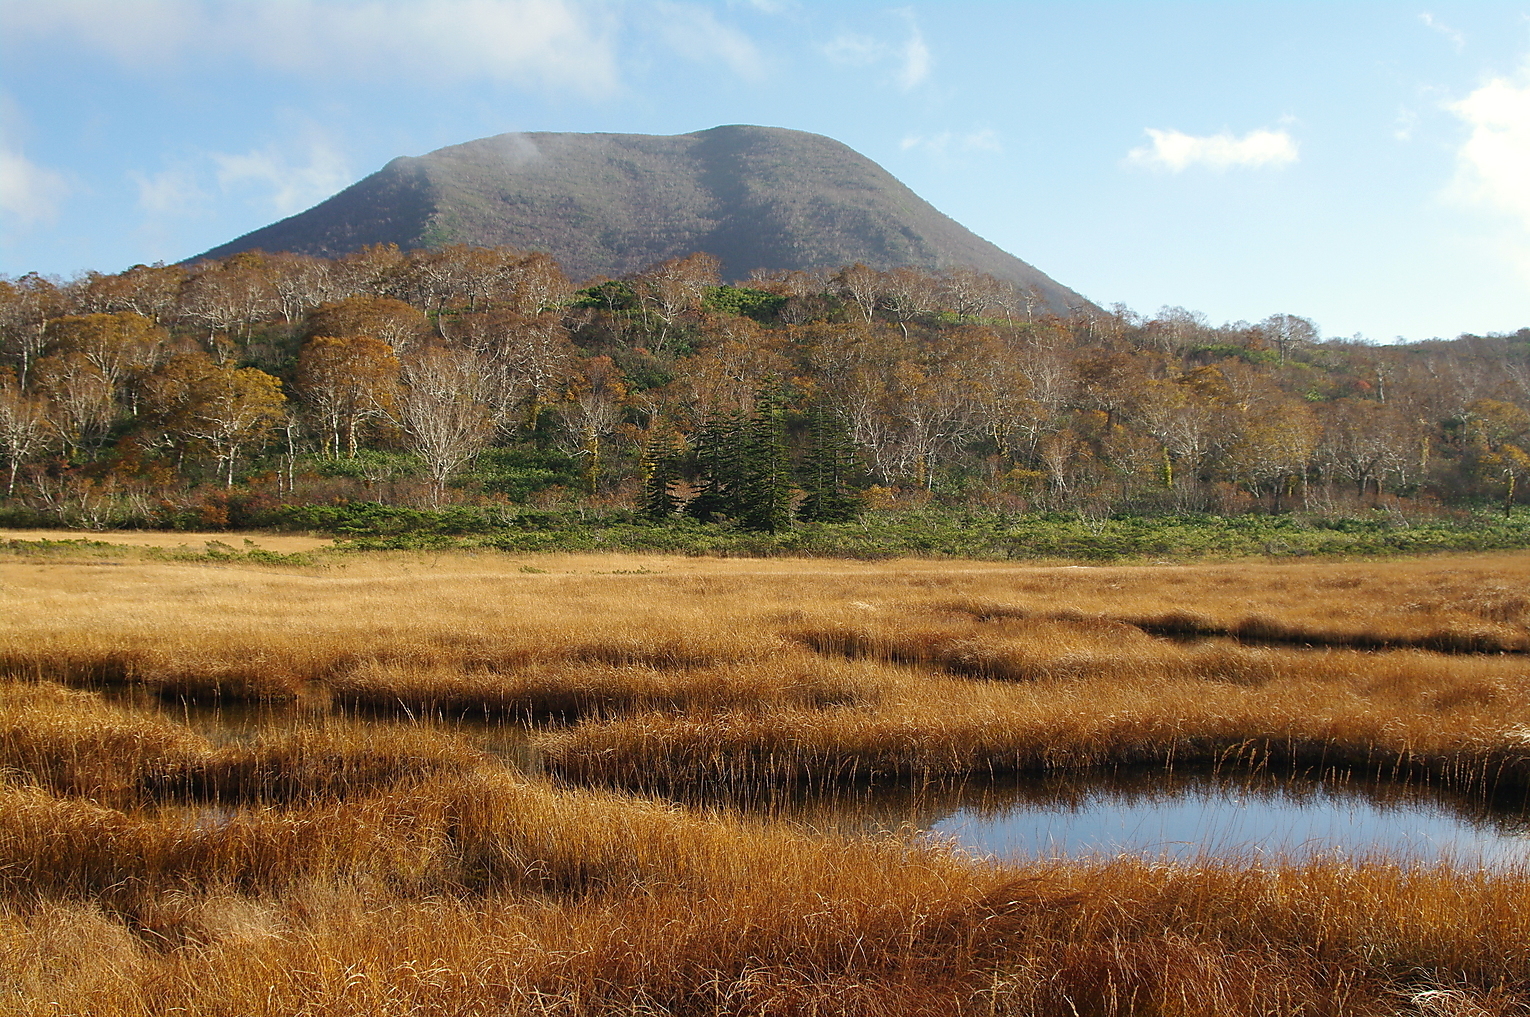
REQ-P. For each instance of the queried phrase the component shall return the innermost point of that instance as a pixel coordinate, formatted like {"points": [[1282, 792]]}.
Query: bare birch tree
{"points": [[444, 411]]}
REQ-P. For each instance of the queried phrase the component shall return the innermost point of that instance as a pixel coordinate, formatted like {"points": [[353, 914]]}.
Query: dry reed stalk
{"points": [[334, 762], [417, 899], [571, 690], [75, 744], [461, 638], [1461, 604], [1404, 714], [254, 632], [1120, 937]]}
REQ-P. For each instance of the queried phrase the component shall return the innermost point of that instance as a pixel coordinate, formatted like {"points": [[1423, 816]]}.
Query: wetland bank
{"points": [[482, 783]]}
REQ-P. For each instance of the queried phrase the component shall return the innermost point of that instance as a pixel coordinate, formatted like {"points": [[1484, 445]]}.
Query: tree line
{"points": [[484, 375]]}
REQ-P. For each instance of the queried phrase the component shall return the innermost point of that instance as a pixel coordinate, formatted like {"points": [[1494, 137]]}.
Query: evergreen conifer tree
{"points": [[718, 451], [827, 469], [764, 501], [661, 469], [741, 467]]}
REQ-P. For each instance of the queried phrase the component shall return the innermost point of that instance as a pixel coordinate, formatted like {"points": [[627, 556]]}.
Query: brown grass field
{"points": [[486, 784], [284, 543]]}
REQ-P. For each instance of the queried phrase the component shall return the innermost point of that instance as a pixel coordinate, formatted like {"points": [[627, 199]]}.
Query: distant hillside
{"points": [[610, 204]]}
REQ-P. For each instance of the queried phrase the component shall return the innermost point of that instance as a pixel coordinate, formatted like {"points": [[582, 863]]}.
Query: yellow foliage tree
{"points": [[218, 408]]}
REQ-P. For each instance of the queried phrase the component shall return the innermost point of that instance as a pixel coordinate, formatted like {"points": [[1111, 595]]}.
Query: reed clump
{"points": [[1449, 605], [125, 756], [310, 764], [1412, 715], [73, 743], [574, 690]]}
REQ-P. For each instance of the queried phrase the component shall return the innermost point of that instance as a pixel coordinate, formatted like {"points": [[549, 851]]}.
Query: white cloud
{"points": [[140, 34], [29, 192], [550, 43], [695, 33], [911, 57], [293, 188], [565, 45], [771, 7], [270, 177], [170, 191], [1457, 39], [515, 149], [1176, 151], [850, 50], [1493, 164], [946, 142], [915, 56]]}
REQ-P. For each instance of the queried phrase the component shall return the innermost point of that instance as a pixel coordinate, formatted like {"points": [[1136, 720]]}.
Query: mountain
{"points": [[610, 204]]}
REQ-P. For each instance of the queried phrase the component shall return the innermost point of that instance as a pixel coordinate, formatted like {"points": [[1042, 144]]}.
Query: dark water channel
{"points": [[1179, 815]]}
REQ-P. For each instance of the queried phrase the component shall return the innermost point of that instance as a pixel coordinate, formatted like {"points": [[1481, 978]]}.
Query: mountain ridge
{"points": [[612, 204]]}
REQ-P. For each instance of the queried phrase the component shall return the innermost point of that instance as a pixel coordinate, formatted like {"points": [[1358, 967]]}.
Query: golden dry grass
{"points": [[490, 894], [392, 862], [281, 543]]}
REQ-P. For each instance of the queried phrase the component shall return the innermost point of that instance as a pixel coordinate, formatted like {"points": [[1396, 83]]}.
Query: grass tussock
{"points": [[574, 690], [309, 764], [76, 744], [1405, 720], [73, 743], [369, 850], [1455, 606]]}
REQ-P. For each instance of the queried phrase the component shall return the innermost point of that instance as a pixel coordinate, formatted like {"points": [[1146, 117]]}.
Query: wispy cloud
{"points": [[914, 56], [144, 34], [1176, 151], [946, 142], [1457, 39], [771, 7], [515, 149], [851, 50], [1493, 163], [289, 186], [909, 58], [29, 192], [549, 43], [171, 191], [694, 32]]}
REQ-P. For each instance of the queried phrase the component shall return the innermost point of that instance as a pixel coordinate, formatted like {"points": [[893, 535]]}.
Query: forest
{"points": [[220, 393]]}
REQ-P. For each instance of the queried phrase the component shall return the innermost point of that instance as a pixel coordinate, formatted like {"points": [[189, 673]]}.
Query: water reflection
{"points": [[1187, 815]]}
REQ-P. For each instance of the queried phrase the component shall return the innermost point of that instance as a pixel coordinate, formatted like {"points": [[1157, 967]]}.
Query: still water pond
{"points": [[1234, 815], [1186, 815], [1177, 815]]}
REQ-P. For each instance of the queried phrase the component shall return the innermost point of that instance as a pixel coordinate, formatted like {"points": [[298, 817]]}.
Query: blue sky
{"points": [[1366, 165]]}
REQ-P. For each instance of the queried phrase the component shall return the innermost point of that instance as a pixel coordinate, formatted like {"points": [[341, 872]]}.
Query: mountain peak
{"points": [[612, 204]]}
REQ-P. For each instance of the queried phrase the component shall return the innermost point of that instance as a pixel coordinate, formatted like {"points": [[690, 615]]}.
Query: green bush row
{"points": [[930, 532], [925, 533]]}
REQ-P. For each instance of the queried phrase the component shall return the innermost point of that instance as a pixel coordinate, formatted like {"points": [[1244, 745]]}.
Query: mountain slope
{"points": [[610, 204]]}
